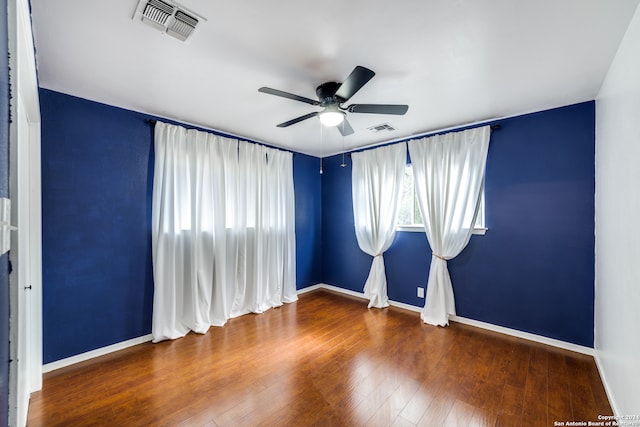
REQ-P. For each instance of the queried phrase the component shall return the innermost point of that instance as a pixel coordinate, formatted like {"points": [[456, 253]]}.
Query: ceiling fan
{"points": [[332, 95]]}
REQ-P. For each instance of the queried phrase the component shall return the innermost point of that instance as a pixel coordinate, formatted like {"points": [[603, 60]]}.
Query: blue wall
{"points": [[307, 183], [534, 269], [4, 192], [96, 225], [97, 178]]}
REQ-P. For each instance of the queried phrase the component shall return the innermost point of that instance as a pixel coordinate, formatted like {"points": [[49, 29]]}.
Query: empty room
{"points": [[410, 213]]}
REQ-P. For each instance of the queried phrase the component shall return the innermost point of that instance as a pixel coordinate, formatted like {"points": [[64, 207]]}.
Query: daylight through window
{"points": [[410, 218]]}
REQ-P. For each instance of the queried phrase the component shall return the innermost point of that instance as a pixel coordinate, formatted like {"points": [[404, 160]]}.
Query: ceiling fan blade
{"points": [[358, 78], [283, 94], [297, 119], [345, 128], [398, 110]]}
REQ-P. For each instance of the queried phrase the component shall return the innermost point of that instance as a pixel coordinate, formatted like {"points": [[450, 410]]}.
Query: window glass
{"points": [[410, 215]]}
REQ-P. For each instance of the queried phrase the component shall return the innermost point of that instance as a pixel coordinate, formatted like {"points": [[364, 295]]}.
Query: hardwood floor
{"points": [[327, 360]]}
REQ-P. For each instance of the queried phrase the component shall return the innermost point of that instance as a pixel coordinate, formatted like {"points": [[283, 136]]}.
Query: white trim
{"points": [[476, 323], [341, 290], [524, 335], [480, 231], [482, 325], [94, 353], [404, 306], [52, 366], [309, 289], [605, 383], [419, 228]]}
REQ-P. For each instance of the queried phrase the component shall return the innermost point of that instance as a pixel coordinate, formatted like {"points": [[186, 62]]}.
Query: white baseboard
{"points": [[135, 341], [478, 324], [309, 289], [94, 353], [340, 290], [525, 335], [605, 383], [483, 325]]}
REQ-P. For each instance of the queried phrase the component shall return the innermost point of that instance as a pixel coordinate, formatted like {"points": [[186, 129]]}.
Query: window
{"points": [[410, 218], [409, 215]]}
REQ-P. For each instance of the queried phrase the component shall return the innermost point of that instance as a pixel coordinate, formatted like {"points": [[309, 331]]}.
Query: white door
{"points": [[25, 256], [20, 279]]}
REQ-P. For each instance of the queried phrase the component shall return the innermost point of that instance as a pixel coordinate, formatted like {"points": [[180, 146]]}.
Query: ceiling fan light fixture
{"points": [[331, 96], [331, 117]]}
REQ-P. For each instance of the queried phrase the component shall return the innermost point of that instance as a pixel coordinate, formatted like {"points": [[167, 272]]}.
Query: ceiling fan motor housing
{"points": [[327, 93]]}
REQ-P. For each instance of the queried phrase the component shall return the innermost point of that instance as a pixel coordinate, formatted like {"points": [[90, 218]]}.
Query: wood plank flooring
{"points": [[327, 360]]}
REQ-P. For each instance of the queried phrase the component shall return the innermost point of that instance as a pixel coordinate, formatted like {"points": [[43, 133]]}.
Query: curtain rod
{"points": [[153, 122], [492, 127]]}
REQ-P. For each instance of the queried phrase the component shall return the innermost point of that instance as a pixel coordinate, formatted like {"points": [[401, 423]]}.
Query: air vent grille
{"points": [[182, 26], [168, 17], [157, 12], [382, 127]]}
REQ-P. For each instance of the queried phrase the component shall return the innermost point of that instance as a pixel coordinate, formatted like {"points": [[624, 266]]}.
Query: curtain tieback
{"points": [[438, 256], [377, 255]]}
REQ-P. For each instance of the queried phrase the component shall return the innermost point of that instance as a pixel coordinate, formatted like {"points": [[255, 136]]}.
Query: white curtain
{"points": [[449, 178], [223, 236], [376, 180]]}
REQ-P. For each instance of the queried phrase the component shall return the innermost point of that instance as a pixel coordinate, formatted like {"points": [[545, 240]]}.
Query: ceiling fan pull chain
{"points": [[343, 164], [321, 147]]}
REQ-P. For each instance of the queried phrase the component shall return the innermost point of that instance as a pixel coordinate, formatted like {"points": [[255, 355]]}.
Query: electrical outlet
{"points": [[420, 292]]}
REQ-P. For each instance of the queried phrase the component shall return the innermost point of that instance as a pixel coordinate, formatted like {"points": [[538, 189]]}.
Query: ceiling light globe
{"points": [[331, 118]]}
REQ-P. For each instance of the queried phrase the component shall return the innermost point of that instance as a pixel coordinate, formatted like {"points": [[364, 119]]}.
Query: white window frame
{"points": [[479, 228]]}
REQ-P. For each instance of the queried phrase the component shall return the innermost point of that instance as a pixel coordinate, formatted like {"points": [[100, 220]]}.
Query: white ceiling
{"points": [[452, 61]]}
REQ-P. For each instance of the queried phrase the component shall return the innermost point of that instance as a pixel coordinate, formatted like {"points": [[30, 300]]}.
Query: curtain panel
{"points": [[223, 237], [449, 177], [377, 176]]}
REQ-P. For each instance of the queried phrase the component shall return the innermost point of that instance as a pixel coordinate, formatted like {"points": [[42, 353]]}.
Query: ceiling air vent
{"points": [[182, 26], [169, 17], [157, 13], [382, 127]]}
